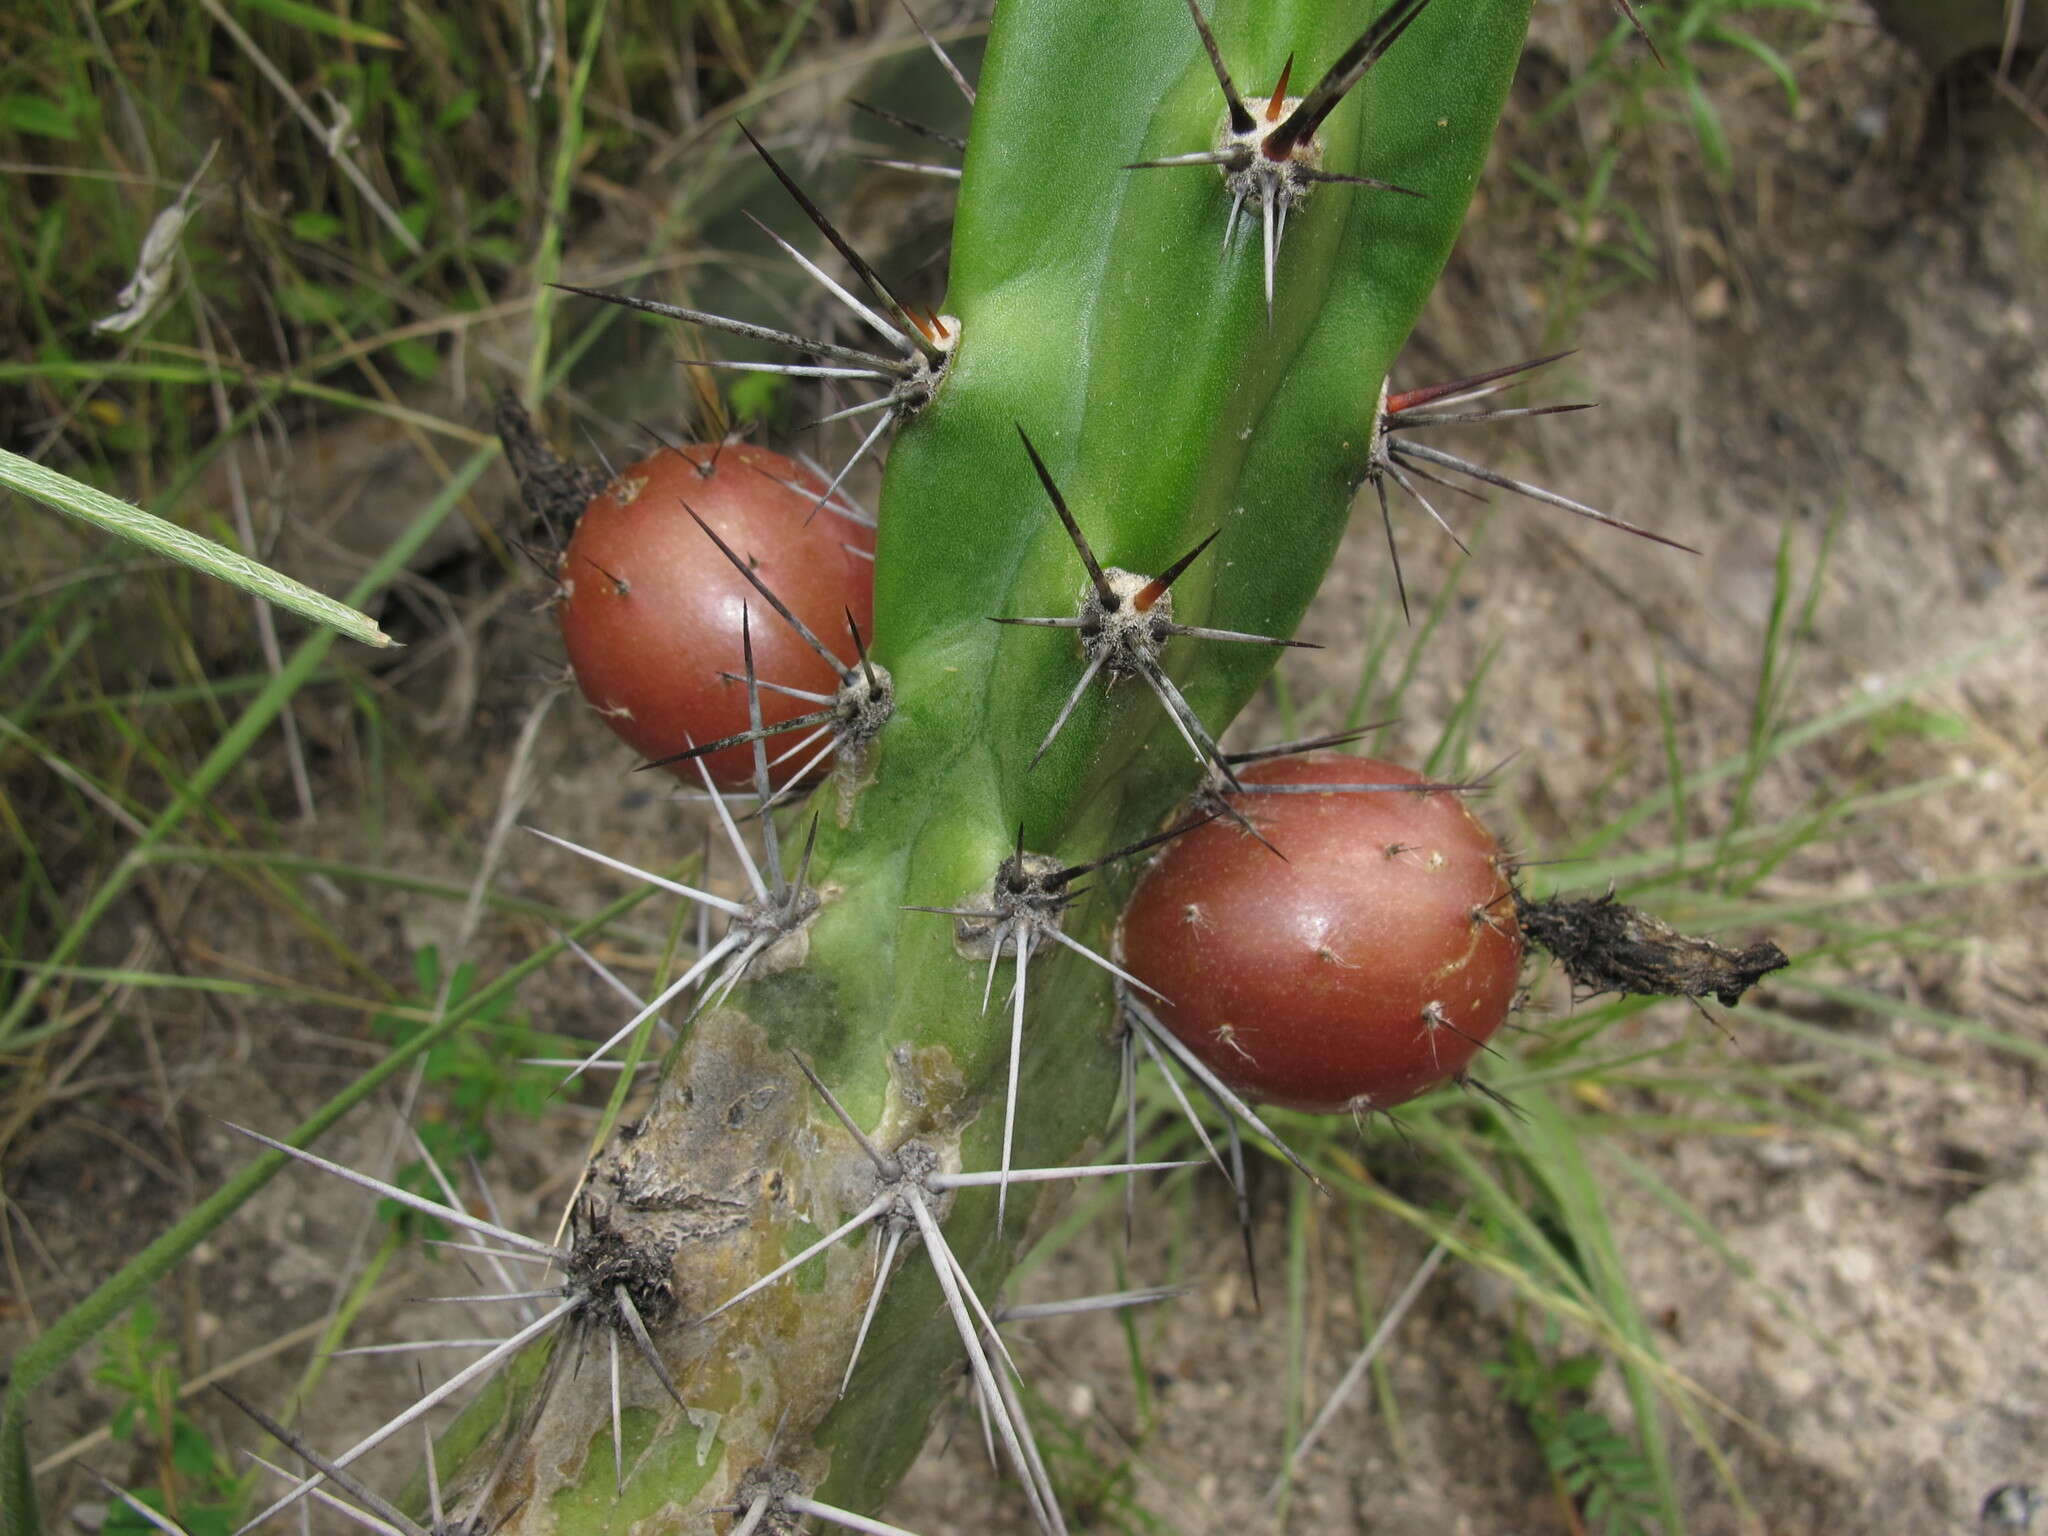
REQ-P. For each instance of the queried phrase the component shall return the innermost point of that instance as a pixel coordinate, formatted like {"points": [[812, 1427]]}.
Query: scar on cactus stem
{"points": [[1413, 410], [923, 343], [614, 1280], [911, 1190], [1606, 946], [1124, 620], [1271, 157], [1025, 903]]}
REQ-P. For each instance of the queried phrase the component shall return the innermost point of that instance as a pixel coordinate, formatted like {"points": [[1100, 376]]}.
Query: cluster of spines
{"points": [[846, 721], [909, 372], [1270, 156]]}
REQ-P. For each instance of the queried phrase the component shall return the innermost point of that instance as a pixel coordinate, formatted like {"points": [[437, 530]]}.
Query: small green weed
{"points": [[1598, 1471], [1625, 104], [478, 1071], [1910, 720], [196, 1484]]}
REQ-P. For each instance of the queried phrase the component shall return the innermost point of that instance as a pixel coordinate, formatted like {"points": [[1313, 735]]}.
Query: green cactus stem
{"points": [[1102, 311]]}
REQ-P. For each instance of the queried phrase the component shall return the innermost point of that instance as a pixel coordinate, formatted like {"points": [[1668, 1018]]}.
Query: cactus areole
{"points": [[1119, 318]]}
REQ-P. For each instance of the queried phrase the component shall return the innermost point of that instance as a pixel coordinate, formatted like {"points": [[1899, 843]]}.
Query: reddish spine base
{"points": [[1367, 967], [650, 610]]}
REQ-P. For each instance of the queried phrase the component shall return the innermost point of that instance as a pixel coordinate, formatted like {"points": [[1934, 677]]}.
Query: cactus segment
{"points": [[1196, 416], [1195, 435]]}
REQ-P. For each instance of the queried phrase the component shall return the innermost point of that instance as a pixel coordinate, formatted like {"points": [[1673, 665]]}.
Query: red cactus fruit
{"points": [[651, 610], [1368, 966]]}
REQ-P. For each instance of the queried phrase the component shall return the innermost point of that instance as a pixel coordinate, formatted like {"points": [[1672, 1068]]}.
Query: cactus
{"points": [[1113, 372], [1130, 447]]}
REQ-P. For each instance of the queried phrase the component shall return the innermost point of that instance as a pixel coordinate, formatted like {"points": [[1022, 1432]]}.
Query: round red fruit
{"points": [[1367, 967], [650, 610]]}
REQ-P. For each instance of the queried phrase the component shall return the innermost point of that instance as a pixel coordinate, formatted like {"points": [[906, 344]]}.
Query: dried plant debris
{"points": [[1607, 946], [553, 490], [1628, 10]]}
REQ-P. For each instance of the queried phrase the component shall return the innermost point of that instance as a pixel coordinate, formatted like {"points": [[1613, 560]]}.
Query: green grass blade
{"points": [[312, 18], [1548, 1142], [547, 260], [1915, 1013], [109, 514], [236, 743]]}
